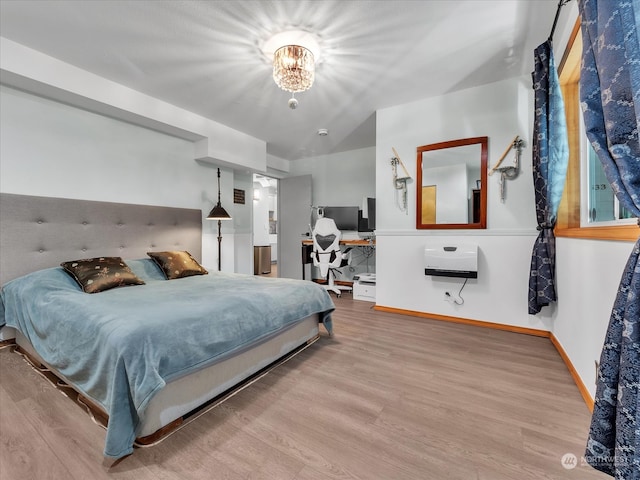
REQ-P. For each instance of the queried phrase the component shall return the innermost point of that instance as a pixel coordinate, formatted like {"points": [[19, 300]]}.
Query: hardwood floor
{"points": [[388, 397], [273, 273]]}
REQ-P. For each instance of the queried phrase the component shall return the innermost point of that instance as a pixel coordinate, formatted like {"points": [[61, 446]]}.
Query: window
{"points": [[602, 206], [593, 211]]}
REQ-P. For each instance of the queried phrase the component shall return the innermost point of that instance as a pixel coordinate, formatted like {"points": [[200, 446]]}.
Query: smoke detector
{"points": [[323, 132]]}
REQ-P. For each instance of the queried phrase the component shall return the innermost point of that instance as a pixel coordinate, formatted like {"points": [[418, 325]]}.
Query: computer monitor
{"points": [[346, 218], [363, 222], [367, 216], [371, 213]]}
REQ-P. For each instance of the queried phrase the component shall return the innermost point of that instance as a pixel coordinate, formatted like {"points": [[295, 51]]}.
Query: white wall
{"points": [[588, 271], [499, 111], [55, 150], [243, 224], [215, 143], [340, 179], [588, 275]]}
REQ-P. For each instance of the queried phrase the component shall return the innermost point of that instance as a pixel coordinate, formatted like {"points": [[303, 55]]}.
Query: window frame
{"points": [[569, 213]]}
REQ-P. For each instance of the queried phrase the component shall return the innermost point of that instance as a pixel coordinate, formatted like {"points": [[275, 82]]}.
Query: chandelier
{"points": [[294, 54], [293, 68]]}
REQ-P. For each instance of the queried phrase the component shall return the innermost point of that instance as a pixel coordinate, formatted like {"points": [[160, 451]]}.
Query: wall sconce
{"points": [[511, 171], [400, 181]]}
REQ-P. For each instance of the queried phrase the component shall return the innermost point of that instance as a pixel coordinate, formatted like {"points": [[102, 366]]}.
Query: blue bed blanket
{"points": [[121, 346]]}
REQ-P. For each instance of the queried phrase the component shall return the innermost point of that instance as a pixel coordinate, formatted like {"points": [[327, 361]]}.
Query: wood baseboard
{"points": [[477, 323], [582, 388], [586, 396]]}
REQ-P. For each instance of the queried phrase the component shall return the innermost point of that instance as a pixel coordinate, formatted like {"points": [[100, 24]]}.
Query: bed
{"points": [[146, 356]]}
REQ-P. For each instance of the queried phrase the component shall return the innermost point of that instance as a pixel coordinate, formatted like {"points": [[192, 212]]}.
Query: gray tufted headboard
{"points": [[41, 232]]}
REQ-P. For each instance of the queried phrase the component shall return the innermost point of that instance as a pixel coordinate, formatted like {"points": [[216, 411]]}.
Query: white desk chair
{"points": [[327, 255]]}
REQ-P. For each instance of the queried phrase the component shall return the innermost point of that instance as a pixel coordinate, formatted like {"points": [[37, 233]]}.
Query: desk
{"points": [[307, 249]]}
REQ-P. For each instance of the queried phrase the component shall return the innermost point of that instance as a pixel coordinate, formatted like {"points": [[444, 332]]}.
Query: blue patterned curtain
{"points": [[610, 99], [550, 160]]}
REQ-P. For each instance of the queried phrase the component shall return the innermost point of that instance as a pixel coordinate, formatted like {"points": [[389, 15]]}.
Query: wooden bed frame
{"points": [[41, 232]]}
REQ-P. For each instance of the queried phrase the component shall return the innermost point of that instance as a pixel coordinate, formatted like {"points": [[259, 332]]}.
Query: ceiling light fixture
{"points": [[293, 68], [294, 55]]}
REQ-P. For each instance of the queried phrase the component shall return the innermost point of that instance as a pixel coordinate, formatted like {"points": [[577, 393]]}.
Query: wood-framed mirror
{"points": [[452, 184]]}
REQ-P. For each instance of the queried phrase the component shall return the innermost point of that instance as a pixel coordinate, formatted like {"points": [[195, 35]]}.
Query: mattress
{"points": [[185, 398]]}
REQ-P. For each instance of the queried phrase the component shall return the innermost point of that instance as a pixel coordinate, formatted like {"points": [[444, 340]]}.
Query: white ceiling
{"points": [[205, 56]]}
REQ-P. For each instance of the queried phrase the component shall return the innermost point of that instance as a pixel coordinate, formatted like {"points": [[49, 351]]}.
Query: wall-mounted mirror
{"points": [[452, 184]]}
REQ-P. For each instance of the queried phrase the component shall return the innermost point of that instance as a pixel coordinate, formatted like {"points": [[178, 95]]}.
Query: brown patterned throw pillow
{"points": [[177, 264], [102, 273]]}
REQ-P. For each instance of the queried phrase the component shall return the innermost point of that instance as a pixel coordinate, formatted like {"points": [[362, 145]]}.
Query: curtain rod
{"points": [[561, 3]]}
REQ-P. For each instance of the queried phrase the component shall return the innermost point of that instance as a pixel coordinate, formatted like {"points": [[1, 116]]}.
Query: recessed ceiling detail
{"points": [[214, 59]]}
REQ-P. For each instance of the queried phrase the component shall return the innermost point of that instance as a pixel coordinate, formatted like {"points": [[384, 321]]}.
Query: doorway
{"points": [[265, 226]]}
